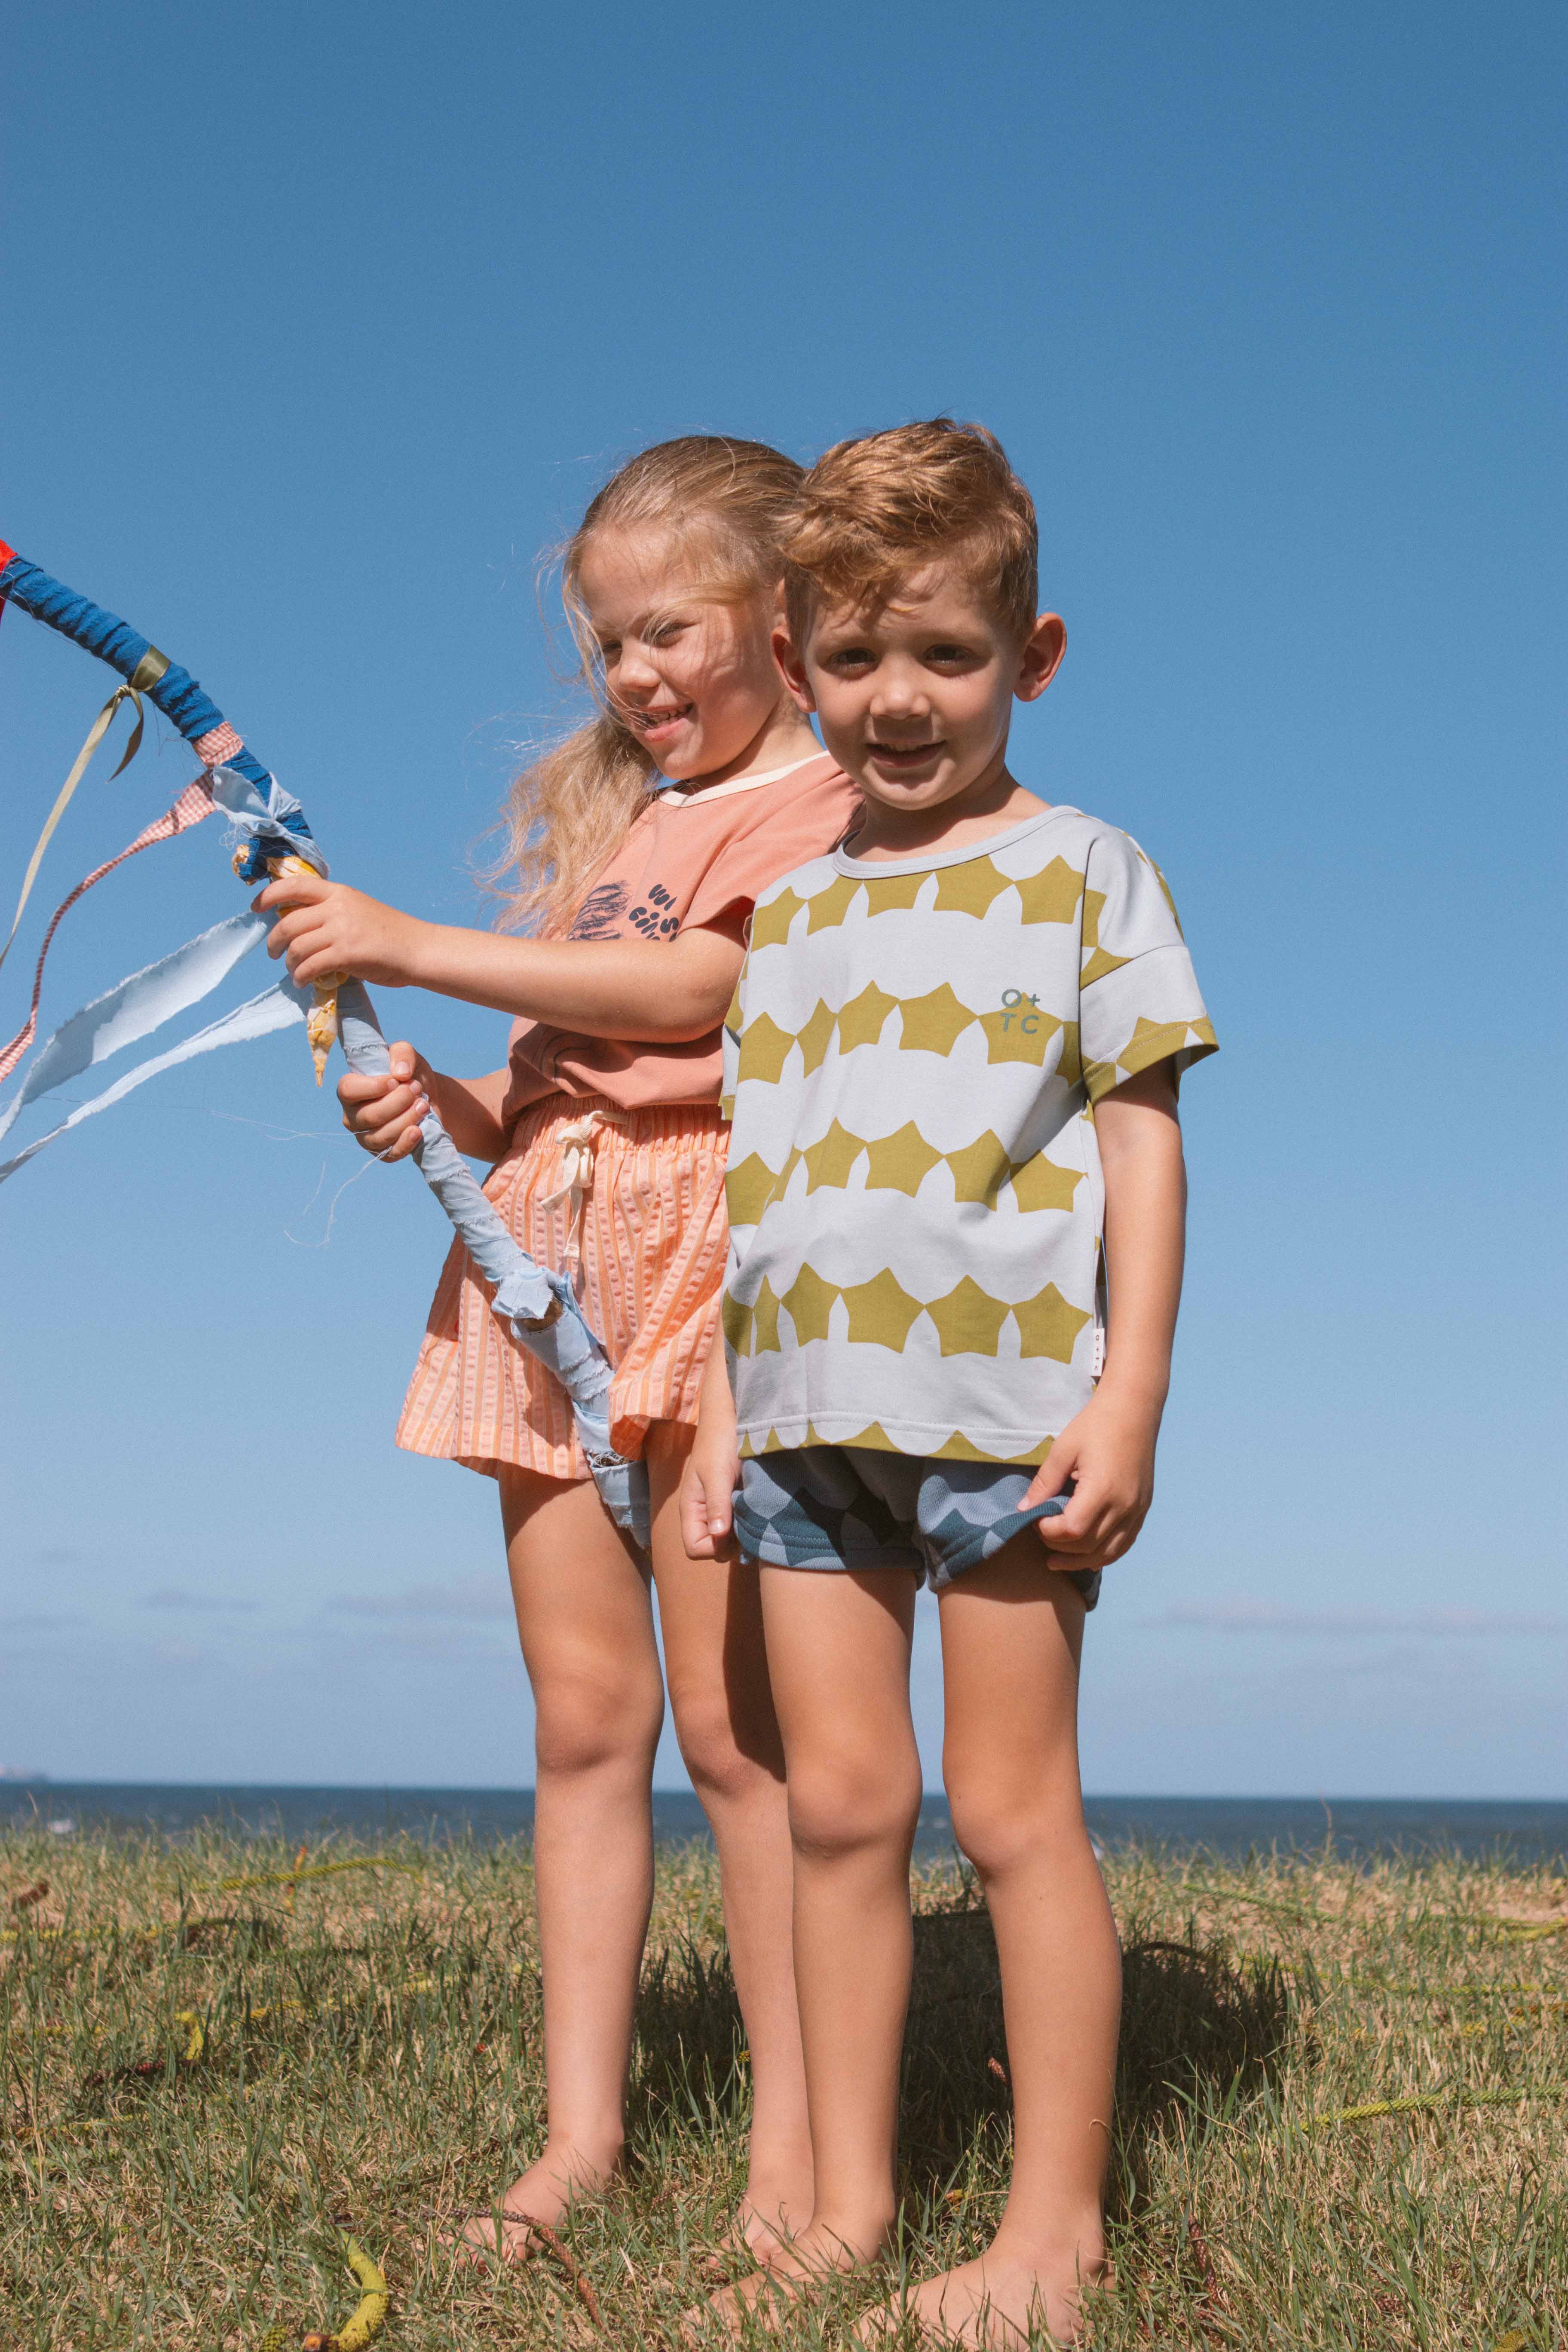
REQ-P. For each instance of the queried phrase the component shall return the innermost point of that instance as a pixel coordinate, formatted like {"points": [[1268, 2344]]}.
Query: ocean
{"points": [[1353, 1827]]}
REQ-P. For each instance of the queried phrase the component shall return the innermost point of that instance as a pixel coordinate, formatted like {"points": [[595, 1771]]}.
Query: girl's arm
{"points": [[383, 1114], [1107, 1451], [712, 1466], [662, 992]]}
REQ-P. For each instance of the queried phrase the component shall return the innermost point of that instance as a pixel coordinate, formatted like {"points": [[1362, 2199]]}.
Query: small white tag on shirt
{"points": [[1098, 1349]]}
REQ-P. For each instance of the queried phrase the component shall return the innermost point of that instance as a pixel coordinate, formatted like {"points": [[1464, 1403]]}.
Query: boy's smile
{"points": [[915, 701]]}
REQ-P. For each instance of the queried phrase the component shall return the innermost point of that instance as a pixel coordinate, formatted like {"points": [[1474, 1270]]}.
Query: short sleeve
{"points": [[793, 826], [1139, 997]]}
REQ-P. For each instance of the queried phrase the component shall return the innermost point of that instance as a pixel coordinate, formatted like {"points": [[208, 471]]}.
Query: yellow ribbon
{"points": [[1431, 2102], [369, 2314], [319, 1870], [144, 677]]}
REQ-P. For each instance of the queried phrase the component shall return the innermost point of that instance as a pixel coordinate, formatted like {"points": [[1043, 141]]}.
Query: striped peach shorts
{"points": [[645, 1234]]}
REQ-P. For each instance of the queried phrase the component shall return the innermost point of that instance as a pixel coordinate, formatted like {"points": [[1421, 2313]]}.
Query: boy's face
{"points": [[915, 701]]}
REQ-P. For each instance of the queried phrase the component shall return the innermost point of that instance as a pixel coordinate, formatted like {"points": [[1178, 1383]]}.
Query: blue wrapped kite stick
{"points": [[538, 1308]]}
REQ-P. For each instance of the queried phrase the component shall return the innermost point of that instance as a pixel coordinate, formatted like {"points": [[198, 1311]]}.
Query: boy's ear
{"points": [[1041, 657], [792, 669]]}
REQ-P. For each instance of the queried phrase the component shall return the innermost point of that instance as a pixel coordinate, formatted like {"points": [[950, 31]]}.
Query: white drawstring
{"points": [[576, 1140]]}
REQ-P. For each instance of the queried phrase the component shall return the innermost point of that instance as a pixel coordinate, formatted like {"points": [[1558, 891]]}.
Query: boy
{"points": [[954, 1054]]}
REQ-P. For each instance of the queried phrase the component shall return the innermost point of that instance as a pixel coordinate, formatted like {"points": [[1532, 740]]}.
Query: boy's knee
{"points": [[844, 1805], [998, 1821], [713, 1748]]}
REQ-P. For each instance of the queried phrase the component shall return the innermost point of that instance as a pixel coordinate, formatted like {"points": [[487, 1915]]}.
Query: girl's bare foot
{"points": [[751, 2237], [991, 2304], [798, 2266], [542, 2195]]}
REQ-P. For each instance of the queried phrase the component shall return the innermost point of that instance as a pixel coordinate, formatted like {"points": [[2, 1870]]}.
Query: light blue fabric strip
{"points": [[275, 1008], [240, 798], [525, 1293], [138, 1005]]}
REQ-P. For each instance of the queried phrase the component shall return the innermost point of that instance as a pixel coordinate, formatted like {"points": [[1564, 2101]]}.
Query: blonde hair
{"points": [[873, 510], [572, 808]]}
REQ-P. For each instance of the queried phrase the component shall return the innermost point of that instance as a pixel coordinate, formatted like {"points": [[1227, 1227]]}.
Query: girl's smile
{"points": [[654, 724], [686, 668]]}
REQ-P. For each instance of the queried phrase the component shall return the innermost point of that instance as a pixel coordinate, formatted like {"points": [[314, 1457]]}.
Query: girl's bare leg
{"points": [[839, 1652], [1012, 1631], [585, 1620], [711, 1615]]}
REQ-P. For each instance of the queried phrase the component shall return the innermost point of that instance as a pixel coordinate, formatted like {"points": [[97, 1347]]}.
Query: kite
{"points": [[535, 1304]]}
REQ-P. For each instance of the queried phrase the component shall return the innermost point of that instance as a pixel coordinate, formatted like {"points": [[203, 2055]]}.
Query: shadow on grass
{"points": [[689, 2037], [953, 2098], [1198, 2029]]}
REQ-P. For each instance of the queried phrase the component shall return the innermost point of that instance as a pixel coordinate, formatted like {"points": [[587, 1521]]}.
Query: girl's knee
{"points": [[583, 1724]]}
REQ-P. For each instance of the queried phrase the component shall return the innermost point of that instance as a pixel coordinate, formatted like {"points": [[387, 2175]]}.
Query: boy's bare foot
{"points": [[538, 2198], [768, 2298], [991, 2304]]}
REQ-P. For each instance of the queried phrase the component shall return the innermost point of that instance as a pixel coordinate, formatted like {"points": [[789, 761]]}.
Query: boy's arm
{"points": [[663, 991], [712, 1466], [1107, 1451]]}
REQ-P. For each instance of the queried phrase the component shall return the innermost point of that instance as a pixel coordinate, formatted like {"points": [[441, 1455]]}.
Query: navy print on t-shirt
{"points": [[604, 913], [600, 912], [653, 921]]}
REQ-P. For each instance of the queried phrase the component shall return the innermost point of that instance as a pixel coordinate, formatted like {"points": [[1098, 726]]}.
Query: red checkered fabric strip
{"points": [[193, 804], [220, 743]]}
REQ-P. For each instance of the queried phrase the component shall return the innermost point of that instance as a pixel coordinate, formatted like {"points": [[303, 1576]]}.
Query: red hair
{"points": [[871, 511]]}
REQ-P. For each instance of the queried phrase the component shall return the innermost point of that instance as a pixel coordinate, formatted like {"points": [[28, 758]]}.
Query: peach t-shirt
{"points": [[693, 859]]}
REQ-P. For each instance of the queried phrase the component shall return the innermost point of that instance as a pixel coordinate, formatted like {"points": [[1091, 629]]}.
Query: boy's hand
{"points": [[326, 927], [1106, 1454], [707, 1487], [383, 1114]]}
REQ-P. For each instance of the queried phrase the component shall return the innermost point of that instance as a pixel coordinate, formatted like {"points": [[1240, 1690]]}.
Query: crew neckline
{"points": [[864, 868], [681, 797]]}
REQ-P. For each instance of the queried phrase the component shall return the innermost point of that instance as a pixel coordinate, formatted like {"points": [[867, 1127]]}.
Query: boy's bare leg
{"points": [[839, 1654], [1012, 1631], [585, 1620], [711, 1618]]}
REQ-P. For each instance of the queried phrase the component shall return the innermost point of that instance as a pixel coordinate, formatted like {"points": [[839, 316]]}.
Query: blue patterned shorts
{"points": [[851, 1506]]}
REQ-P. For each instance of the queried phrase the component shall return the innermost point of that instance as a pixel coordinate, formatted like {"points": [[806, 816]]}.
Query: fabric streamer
{"points": [[136, 1007], [275, 1008], [146, 671], [193, 804], [539, 1309]]}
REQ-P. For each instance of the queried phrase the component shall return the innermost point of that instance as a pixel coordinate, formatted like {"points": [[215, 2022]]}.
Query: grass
{"points": [[201, 2081]]}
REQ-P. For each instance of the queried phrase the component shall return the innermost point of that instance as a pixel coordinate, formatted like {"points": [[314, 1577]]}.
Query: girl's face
{"points": [[692, 678]]}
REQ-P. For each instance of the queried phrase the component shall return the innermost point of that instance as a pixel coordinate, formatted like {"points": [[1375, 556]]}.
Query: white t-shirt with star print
{"points": [[912, 1064]]}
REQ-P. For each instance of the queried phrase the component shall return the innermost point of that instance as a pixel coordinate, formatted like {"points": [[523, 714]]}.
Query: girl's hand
{"points": [[707, 1485], [383, 1114], [1106, 1454], [326, 927]]}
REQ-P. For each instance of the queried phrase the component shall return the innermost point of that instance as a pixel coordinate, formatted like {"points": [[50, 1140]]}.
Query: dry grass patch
{"points": [[201, 2085]]}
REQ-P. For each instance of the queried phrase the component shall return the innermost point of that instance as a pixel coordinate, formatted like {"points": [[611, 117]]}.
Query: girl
{"points": [[610, 1151]]}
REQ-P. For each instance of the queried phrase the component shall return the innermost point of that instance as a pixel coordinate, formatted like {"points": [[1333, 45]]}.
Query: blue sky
{"points": [[321, 323]]}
